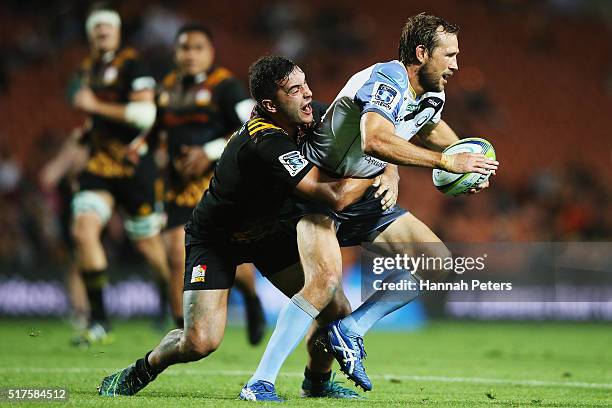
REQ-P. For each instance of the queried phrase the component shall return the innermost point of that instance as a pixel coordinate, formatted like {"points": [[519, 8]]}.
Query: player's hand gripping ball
{"points": [[456, 184]]}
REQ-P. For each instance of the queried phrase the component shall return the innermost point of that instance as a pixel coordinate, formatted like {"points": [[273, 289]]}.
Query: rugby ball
{"points": [[455, 184]]}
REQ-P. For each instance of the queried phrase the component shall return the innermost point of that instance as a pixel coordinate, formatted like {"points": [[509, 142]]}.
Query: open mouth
{"points": [[307, 109], [446, 76]]}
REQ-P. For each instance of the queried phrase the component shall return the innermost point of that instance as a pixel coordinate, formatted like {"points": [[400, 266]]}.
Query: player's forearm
{"points": [[139, 114], [333, 192], [112, 111], [348, 191], [393, 149], [69, 156]]}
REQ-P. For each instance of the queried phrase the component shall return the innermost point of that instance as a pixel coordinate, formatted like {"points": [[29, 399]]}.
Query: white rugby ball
{"points": [[455, 184]]}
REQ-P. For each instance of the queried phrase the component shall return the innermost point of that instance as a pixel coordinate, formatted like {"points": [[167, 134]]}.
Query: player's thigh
{"points": [[91, 211], [319, 250], [409, 235], [407, 229], [205, 315], [95, 197]]}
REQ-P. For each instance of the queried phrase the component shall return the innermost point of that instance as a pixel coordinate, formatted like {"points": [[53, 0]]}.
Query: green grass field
{"points": [[447, 364]]}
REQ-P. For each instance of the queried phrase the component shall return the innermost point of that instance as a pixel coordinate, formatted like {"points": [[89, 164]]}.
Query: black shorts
{"points": [[134, 194], [360, 222], [212, 265]]}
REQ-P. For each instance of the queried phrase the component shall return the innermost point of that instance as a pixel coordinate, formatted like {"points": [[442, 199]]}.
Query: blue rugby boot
{"points": [[349, 352], [259, 391]]}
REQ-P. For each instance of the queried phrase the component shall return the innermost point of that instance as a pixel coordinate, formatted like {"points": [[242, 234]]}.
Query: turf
{"points": [[446, 364]]}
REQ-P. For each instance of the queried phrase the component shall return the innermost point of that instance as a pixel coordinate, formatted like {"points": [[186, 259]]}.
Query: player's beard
{"points": [[429, 81]]}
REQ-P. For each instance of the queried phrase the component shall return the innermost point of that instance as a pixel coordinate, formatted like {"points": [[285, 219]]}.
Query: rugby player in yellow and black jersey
{"points": [[118, 95], [199, 104], [237, 221]]}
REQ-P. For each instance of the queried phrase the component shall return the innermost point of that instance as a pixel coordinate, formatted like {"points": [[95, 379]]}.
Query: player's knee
{"points": [[197, 345]]}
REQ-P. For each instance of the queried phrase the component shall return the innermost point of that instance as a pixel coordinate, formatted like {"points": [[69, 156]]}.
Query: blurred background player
{"points": [[199, 105], [118, 94], [60, 174]]}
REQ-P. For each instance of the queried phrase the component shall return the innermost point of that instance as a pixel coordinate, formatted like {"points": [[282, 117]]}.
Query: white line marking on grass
{"points": [[247, 374]]}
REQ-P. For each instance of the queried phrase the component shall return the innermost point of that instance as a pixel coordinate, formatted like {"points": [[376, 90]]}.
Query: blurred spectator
{"points": [[10, 172]]}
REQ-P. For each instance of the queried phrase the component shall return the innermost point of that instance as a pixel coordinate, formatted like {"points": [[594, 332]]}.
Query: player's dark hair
{"points": [[266, 74], [193, 27], [422, 29]]}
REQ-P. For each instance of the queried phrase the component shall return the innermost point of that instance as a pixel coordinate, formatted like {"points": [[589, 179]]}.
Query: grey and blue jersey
{"points": [[382, 88]]}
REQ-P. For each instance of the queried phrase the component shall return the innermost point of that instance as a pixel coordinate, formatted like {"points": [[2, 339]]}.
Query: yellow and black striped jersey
{"points": [[253, 180]]}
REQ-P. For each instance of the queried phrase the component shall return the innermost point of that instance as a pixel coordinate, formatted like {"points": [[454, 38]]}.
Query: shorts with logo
{"points": [[212, 264]]}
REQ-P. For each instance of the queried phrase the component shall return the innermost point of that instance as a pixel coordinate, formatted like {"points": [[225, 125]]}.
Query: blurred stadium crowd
{"points": [[521, 84]]}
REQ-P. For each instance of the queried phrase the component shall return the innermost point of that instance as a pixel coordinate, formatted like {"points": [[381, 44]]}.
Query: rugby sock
{"points": [[317, 377], [95, 282], [378, 305], [293, 322], [144, 371]]}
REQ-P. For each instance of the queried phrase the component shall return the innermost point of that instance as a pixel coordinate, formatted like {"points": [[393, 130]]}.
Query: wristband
{"points": [[447, 161]]}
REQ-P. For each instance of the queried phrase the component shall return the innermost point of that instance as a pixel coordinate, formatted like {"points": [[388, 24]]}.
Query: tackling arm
{"points": [[337, 193]]}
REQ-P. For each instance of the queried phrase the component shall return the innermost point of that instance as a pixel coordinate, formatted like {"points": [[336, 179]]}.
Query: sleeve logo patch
{"points": [[293, 162], [384, 95]]}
